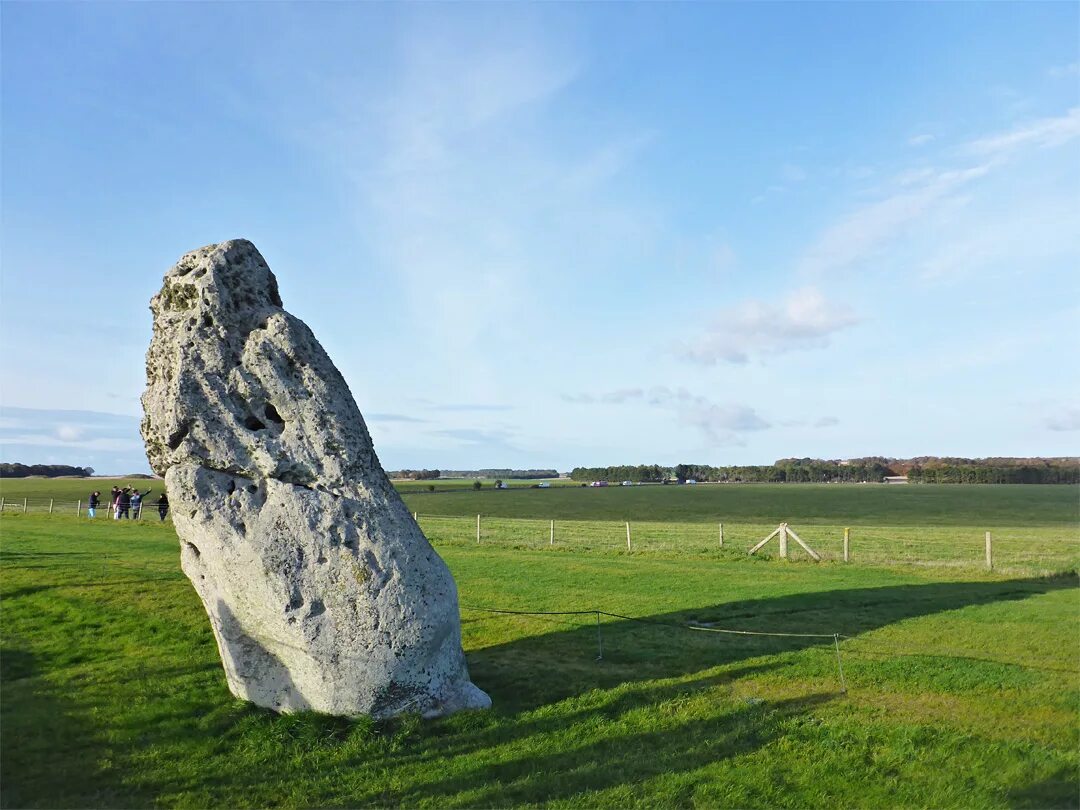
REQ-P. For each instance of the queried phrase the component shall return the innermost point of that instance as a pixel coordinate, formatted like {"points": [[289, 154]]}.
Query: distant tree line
{"points": [[795, 471], [501, 472], [430, 475], [874, 469], [651, 473], [1029, 472], [16, 470]]}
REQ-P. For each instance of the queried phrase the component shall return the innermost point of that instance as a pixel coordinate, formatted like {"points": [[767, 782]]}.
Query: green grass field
{"points": [[963, 685]]}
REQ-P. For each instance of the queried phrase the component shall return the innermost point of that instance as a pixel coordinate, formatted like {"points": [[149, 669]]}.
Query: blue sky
{"points": [[557, 234]]}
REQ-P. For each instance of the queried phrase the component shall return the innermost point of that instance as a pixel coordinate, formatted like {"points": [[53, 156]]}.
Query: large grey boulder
{"points": [[321, 589]]}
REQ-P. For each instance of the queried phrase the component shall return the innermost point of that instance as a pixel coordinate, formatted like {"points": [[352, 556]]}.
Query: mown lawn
{"points": [[963, 687]]}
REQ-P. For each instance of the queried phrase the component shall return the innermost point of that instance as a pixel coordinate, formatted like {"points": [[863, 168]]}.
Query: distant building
{"points": [[896, 479]]}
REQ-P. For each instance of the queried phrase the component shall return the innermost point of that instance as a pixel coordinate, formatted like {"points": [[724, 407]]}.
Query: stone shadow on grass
{"points": [[1060, 789], [540, 669]]}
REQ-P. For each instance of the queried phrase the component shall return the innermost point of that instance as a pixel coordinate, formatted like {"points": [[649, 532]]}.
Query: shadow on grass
{"points": [[1060, 789], [660, 646]]}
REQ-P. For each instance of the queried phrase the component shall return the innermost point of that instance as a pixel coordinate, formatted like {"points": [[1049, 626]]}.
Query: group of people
{"points": [[126, 502]]}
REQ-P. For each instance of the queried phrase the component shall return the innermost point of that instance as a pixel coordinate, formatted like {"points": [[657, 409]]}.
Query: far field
{"points": [[976, 505]]}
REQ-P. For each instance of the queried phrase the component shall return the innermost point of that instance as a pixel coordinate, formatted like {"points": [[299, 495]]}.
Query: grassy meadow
{"points": [[963, 686]]}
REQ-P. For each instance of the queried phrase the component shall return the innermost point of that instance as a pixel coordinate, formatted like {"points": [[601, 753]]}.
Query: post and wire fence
{"points": [[80, 508], [1031, 550], [1006, 549]]}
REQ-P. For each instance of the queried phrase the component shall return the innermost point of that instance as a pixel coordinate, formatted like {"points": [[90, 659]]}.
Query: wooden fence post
{"points": [[24, 506], [847, 540], [721, 535], [783, 541], [552, 533], [989, 553], [78, 509], [477, 530], [1, 504], [50, 505], [628, 536]]}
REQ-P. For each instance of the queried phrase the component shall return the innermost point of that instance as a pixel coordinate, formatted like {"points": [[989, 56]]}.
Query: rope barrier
{"points": [[600, 642]]}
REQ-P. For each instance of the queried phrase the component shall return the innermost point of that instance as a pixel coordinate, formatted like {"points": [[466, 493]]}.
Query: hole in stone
{"points": [[271, 413], [252, 488], [317, 608], [207, 321], [194, 549], [177, 436], [231, 488], [200, 273], [252, 422]]}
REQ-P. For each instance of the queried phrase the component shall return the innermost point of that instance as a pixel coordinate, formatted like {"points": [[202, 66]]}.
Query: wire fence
{"points": [[145, 510], [1020, 549]]}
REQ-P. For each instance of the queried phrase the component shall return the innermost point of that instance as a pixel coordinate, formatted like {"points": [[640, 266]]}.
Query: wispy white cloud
{"points": [[792, 173], [495, 439], [805, 320], [70, 433], [921, 139], [867, 231], [108, 442], [1064, 71], [392, 417], [1045, 228], [720, 423], [1043, 133], [1067, 420]]}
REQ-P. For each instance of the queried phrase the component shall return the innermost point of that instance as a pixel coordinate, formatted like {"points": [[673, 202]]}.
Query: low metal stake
{"points": [[839, 666]]}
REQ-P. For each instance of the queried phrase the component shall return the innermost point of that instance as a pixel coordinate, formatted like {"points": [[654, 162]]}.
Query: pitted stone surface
{"points": [[322, 591]]}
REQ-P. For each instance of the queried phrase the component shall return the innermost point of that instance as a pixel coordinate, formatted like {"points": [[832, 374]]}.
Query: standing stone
{"points": [[321, 589]]}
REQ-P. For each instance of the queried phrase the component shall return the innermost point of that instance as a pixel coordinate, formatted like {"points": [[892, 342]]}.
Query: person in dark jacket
{"points": [[163, 505], [114, 502], [124, 504], [95, 499]]}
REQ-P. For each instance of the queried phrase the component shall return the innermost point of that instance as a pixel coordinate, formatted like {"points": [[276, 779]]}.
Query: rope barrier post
{"points": [[552, 533], [783, 541], [1, 504], [599, 639], [628, 536], [839, 666], [721, 535], [989, 553], [78, 509], [847, 541], [24, 506], [50, 505], [477, 530], [414, 518]]}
